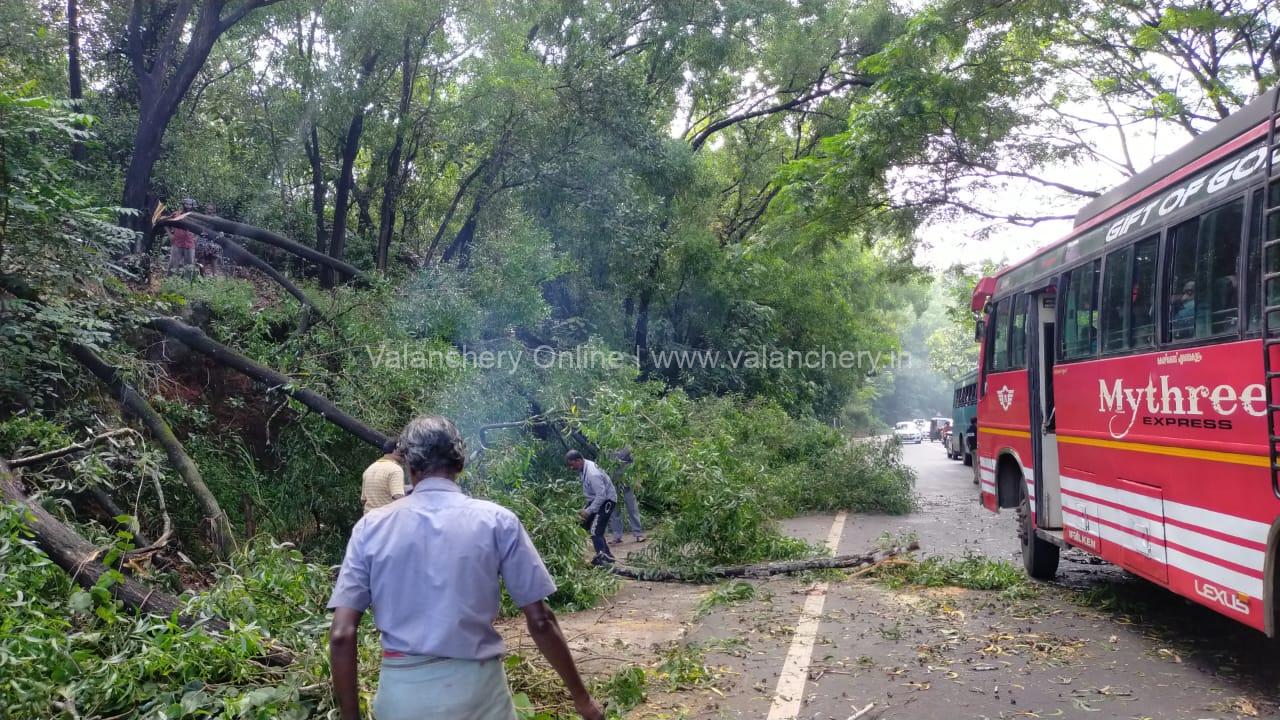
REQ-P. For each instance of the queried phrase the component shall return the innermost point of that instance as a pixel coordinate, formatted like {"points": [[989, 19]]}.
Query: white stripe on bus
{"points": [[1113, 495], [1216, 574], [1172, 557], [1243, 528], [1222, 523], [987, 462], [1214, 547]]}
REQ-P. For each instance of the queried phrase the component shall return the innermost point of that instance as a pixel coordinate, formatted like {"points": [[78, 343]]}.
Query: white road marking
{"points": [[795, 669]]}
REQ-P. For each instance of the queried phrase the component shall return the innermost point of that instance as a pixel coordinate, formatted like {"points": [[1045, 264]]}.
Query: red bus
{"points": [[1125, 403]]}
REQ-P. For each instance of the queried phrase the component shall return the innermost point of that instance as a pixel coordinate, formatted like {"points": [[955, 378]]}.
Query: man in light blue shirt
{"points": [[429, 565], [602, 498]]}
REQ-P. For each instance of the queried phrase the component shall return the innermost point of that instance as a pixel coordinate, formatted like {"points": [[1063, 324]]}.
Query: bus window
{"points": [[1000, 349], [1203, 270], [1018, 336], [1116, 300], [1142, 310], [1253, 261], [1253, 264], [1079, 336]]}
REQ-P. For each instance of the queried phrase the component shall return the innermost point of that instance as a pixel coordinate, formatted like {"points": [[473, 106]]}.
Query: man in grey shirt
{"points": [[430, 566], [601, 499]]}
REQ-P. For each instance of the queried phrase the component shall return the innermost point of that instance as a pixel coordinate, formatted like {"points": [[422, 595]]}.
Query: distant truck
{"points": [[964, 405]]}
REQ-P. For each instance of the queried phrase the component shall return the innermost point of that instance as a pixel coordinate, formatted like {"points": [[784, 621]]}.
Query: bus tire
{"points": [[1039, 557]]}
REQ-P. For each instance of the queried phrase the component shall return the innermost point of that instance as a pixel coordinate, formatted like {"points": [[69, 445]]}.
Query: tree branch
{"points": [[703, 135], [72, 448]]}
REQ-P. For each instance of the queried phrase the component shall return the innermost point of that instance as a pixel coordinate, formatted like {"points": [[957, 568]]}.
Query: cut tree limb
{"points": [[79, 559], [764, 569], [195, 339], [219, 530]]}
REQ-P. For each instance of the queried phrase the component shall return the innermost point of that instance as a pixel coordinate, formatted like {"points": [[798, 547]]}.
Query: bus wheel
{"points": [[1039, 557]]}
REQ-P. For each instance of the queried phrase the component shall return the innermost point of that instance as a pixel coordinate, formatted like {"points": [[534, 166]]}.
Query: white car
{"points": [[907, 431]]}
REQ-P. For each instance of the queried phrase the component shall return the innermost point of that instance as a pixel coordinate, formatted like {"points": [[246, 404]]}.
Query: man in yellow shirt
{"points": [[383, 481]]}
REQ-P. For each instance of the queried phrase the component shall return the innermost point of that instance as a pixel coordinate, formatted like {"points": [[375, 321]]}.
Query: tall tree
{"points": [[168, 43], [74, 80]]}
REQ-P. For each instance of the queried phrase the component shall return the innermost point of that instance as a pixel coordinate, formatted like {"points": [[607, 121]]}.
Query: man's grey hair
{"points": [[433, 443]]}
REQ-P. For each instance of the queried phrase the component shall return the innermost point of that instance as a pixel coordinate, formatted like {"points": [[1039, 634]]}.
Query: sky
{"points": [[945, 243]]}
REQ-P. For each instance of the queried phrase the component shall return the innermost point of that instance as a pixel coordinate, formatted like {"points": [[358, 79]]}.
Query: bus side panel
{"points": [[1004, 428], [1169, 450]]}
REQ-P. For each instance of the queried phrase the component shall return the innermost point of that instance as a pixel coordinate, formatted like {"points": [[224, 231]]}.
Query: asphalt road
{"points": [[1095, 644]]}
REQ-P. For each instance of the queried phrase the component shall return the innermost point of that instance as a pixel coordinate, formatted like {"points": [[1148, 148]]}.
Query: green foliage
{"points": [[99, 661], [974, 572], [684, 667], [721, 471], [53, 241], [734, 592]]}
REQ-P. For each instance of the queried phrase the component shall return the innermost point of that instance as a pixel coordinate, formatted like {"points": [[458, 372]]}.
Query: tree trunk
{"points": [[395, 167], [346, 177], [218, 530], [453, 207], [195, 339], [74, 80], [137, 181], [764, 569], [460, 248], [164, 74], [318, 186], [341, 198], [641, 341], [71, 552]]}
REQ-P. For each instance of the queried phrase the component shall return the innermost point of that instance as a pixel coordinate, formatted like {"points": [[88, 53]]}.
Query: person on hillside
{"points": [[602, 498], [386, 480], [430, 567], [624, 460], [182, 244]]}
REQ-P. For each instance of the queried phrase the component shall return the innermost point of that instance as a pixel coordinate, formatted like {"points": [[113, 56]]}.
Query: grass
{"points": [[972, 572]]}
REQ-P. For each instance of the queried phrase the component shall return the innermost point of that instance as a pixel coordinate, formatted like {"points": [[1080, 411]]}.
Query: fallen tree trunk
{"points": [[195, 339], [266, 236], [219, 530], [238, 253], [79, 559], [763, 569]]}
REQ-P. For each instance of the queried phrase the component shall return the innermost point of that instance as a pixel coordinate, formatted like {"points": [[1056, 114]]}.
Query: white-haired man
{"points": [[430, 565]]}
